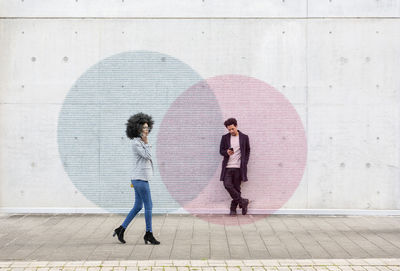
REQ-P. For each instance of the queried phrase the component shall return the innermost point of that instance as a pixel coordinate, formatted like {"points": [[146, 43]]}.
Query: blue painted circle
{"points": [[93, 147]]}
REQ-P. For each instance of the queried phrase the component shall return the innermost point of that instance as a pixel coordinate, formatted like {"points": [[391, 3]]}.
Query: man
{"points": [[235, 148]]}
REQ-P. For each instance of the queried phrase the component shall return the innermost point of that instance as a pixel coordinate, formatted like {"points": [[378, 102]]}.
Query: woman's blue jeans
{"points": [[142, 195]]}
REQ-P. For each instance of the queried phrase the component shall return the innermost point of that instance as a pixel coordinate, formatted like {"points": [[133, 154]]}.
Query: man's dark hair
{"points": [[135, 124], [230, 121]]}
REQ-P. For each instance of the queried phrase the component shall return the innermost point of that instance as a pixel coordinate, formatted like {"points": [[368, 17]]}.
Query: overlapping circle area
{"points": [[189, 112]]}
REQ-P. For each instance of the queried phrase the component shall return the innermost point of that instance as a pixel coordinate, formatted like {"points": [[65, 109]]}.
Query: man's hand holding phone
{"points": [[230, 151]]}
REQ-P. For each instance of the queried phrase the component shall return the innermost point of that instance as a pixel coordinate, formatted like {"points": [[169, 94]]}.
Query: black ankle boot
{"points": [[120, 233], [148, 237]]}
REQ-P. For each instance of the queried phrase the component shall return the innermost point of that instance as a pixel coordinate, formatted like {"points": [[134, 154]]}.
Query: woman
{"points": [[138, 128]]}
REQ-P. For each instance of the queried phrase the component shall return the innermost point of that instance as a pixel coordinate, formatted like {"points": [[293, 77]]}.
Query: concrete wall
{"points": [[71, 74]]}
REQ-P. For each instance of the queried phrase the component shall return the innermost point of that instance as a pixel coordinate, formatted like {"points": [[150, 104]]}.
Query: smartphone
{"points": [[231, 149]]}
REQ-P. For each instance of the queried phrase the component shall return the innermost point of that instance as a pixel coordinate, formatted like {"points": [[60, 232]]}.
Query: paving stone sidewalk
{"points": [[209, 265], [84, 237]]}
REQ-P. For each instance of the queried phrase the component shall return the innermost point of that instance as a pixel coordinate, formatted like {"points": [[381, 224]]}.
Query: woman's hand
{"points": [[144, 138]]}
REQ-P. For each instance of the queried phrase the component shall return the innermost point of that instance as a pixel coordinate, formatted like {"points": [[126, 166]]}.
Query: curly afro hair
{"points": [[135, 124]]}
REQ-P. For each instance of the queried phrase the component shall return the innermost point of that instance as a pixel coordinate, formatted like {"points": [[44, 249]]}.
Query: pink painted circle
{"points": [[189, 138]]}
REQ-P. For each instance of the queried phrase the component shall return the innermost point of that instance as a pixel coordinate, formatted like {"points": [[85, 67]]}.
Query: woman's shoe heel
{"points": [[150, 238], [120, 233]]}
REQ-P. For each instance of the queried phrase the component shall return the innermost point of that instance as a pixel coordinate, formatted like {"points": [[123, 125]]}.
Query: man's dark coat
{"points": [[245, 153]]}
